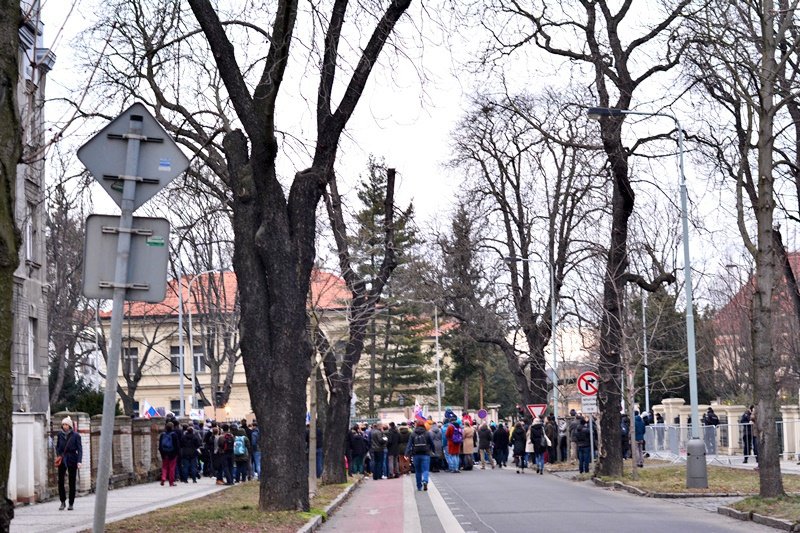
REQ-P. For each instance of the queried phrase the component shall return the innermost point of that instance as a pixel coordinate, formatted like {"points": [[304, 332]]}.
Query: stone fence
{"points": [[33, 477]]}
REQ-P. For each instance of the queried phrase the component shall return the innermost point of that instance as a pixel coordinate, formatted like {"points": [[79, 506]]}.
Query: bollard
{"points": [[696, 470]]}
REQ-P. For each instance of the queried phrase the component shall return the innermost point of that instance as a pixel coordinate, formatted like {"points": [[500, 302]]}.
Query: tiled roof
{"points": [[328, 292]]}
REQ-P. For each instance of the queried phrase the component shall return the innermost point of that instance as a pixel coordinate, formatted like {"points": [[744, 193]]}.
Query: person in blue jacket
{"points": [[638, 429], [70, 449]]}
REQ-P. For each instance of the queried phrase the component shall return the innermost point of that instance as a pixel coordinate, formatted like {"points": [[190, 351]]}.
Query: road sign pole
{"points": [[120, 279], [591, 440]]}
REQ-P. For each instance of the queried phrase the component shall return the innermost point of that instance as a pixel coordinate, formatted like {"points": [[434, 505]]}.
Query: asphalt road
{"points": [[505, 502]]}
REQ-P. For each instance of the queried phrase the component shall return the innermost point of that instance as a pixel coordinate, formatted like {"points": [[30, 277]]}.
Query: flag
{"points": [[418, 415], [148, 411]]}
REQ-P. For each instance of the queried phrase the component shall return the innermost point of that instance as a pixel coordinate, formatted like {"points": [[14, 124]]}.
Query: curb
{"points": [[316, 522], [619, 485]]}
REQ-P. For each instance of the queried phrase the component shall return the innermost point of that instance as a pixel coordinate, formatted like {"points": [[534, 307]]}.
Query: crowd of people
{"points": [[229, 452], [454, 445]]}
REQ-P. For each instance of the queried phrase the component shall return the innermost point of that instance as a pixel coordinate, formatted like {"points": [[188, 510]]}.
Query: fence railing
{"points": [[724, 442]]}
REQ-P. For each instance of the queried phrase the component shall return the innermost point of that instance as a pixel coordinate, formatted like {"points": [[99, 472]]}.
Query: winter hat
{"points": [[67, 421]]}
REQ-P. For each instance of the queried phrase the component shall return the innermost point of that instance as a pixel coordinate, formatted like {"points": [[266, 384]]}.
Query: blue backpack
{"points": [[167, 445]]}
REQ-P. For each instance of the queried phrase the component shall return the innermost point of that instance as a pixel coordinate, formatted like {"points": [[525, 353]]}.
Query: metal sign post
{"points": [[152, 159], [117, 309]]}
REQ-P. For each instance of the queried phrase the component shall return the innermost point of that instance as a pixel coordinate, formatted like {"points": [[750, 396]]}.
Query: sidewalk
{"points": [[122, 503]]}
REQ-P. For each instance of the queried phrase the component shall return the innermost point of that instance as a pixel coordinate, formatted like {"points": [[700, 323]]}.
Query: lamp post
{"points": [[191, 338], [696, 473], [514, 259]]}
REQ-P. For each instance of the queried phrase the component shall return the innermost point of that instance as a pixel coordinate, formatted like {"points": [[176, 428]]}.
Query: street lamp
{"points": [[191, 338], [513, 259], [696, 471]]}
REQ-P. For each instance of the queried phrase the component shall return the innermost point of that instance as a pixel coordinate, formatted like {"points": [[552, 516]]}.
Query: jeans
{"points": [[583, 459], [257, 464], [70, 472], [377, 464], [168, 469], [226, 462], [242, 470], [538, 458], [422, 465], [188, 468], [502, 455], [357, 465], [452, 461]]}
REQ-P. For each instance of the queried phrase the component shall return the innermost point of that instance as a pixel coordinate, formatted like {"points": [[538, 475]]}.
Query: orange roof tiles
{"points": [[328, 292]]}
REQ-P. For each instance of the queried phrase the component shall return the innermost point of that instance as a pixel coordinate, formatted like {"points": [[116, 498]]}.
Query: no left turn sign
{"points": [[588, 383]]}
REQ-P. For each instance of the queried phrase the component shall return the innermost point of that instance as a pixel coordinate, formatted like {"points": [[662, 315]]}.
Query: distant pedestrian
{"points": [[573, 426], [539, 442], [419, 448], [583, 442], [455, 437], [518, 442], [378, 443], [168, 447], [468, 445], [190, 443], [255, 436], [225, 443], [437, 460], [747, 434], [710, 422], [638, 430], [485, 445], [551, 430], [70, 449], [500, 439], [241, 455]]}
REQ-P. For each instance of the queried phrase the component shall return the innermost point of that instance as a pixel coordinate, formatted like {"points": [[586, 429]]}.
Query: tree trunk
{"points": [[10, 150], [609, 397], [338, 416], [764, 383]]}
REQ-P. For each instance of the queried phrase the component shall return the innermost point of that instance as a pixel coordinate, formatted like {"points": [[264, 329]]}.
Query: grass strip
{"points": [[786, 507]]}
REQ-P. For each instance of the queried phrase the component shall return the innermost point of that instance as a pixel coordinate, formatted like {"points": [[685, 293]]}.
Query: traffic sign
{"points": [[537, 409], [588, 382], [147, 264], [160, 160], [589, 405], [482, 414]]}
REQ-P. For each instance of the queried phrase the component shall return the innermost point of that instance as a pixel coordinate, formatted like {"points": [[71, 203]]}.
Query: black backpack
{"points": [[168, 444], [421, 444]]}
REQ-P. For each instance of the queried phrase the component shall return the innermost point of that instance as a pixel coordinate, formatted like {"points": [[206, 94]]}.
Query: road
{"points": [[505, 502]]}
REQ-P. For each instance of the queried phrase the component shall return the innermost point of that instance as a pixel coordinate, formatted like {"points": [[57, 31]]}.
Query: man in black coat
{"points": [[500, 439], [392, 451]]}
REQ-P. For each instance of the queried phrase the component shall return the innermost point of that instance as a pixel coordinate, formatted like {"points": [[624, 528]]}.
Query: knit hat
{"points": [[67, 421]]}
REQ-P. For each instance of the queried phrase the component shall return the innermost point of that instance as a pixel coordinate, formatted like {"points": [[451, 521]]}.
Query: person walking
{"points": [[378, 443], [573, 444], [168, 447], [392, 451], [403, 461], [358, 449], [638, 435], [468, 446], [710, 421], [419, 448], [241, 455], [485, 445], [500, 439], [551, 430], [538, 443], [437, 460], [190, 442], [225, 444], [455, 438], [583, 442], [519, 441], [70, 449], [255, 435]]}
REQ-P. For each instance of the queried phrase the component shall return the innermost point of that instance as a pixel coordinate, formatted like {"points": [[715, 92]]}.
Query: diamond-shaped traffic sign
{"points": [[160, 160]]}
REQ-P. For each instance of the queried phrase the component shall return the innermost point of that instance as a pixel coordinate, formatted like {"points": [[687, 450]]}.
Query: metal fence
{"points": [[728, 442]]}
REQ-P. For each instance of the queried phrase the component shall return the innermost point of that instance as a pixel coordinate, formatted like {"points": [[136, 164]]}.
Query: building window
{"points": [[199, 359], [30, 232], [130, 360], [174, 359], [32, 327], [175, 407]]}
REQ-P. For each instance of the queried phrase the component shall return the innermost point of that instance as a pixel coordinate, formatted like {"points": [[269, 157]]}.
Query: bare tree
{"points": [[529, 175], [746, 64], [10, 151]]}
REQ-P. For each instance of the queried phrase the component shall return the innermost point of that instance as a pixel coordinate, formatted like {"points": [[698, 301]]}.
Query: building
{"points": [[152, 349], [733, 357], [29, 368]]}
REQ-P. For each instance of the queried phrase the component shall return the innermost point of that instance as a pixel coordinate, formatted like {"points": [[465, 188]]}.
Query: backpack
{"points": [[227, 443], [239, 449], [166, 445], [421, 444], [458, 436]]}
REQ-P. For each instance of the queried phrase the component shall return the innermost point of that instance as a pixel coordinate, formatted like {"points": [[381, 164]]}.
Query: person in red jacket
{"points": [[454, 437]]}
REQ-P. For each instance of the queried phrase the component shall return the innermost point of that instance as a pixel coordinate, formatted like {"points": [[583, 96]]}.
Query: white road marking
{"points": [[443, 512]]}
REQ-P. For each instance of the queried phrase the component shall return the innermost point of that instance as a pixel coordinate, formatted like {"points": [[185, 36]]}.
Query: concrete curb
{"points": [[619, 485], [316, 522]]}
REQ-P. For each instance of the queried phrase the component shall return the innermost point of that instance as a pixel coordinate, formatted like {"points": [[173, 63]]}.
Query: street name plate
{"points": [[589, 405]]}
